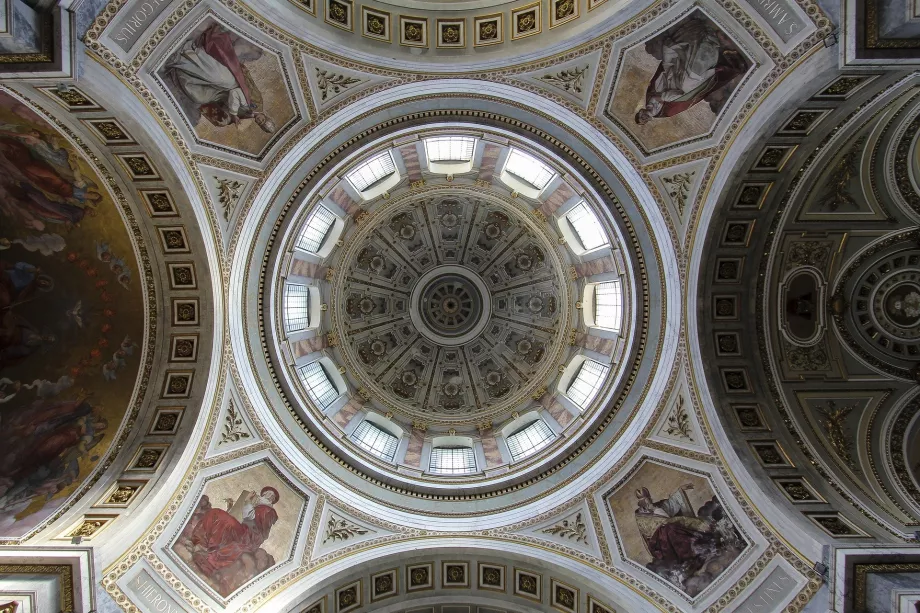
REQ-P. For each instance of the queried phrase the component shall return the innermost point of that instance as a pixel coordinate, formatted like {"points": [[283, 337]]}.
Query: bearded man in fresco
{"points": [[226, 544], [211, 72]]}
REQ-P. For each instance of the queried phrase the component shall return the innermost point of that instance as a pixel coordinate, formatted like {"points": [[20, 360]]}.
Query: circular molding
{"points": [[607, 172]]}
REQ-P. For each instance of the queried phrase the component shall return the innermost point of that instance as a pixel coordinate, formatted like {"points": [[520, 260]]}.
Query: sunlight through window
{"points": [[372, 171], [374, 440], [529, 169], [529, 440], [587, 383]]}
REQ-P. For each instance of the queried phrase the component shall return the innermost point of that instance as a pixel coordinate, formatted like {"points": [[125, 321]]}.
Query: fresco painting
{"points": [[672, 523], [71, 319], [243, 525], [230, 89], [673, 87]]}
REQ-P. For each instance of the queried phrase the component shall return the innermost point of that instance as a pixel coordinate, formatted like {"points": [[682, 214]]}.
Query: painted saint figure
{"points": [[211, 72], [698, 62], [226, 545], [688, 548]]}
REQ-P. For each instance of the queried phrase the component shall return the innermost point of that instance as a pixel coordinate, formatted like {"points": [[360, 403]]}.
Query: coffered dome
{"points": [[453, 307]]}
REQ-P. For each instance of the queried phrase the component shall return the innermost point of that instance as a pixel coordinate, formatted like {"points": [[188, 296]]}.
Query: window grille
{"points": [[316, 229], [375, 440], [529, 169], [529, 440], [587, 227], [608, 305], [452, 461], [296, 307], [372, 171], [587, 383], [450, 148], [320, 388]]}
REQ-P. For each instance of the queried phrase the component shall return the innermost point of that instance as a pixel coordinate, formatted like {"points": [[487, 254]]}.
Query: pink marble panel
{"points": [[409, 155], [348, 412], [414, 450], [307, 346], [596, 267], [490, 448], [554, 408], [311, 270], [489, 159], [560, 196], [595, 343], [341, 198]]}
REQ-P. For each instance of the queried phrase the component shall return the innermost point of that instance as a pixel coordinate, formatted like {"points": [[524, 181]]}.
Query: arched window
{"points": [[608, 305], [296, 307], [450, 148], [320, 388], [316, 229], [525, 167], [375, 440], [587, 227], [529, 439], [372, 172], [452, 461], [587, 383]]}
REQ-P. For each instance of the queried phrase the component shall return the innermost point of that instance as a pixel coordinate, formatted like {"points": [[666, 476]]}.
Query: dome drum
{"points": [[454, 306]]}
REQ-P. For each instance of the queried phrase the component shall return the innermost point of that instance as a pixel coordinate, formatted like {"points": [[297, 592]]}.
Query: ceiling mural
{"points": [[243, 524], [230, 90], [567, 306], [672, 523], [72, 318], [673, 86]]}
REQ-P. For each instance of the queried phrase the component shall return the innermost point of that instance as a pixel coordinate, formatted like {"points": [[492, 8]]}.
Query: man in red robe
{"points": [[220, 539]]}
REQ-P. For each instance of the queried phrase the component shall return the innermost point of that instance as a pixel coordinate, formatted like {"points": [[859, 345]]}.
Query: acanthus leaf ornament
{"points": [[570, 80], [570, 528], [234, 426], [678, 187], [331, 84], [679, 422], [340, 529], [228, 194]]}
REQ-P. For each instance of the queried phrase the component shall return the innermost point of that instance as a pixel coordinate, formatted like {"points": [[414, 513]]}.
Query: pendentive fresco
{"points": [[243, 525], [673, 87], [230, 89], [673, 523]]}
